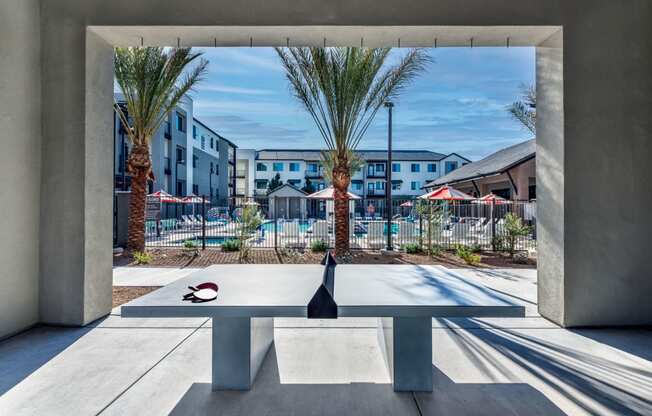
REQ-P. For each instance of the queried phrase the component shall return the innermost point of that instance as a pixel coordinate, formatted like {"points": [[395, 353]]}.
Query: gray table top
{"points": [[279, 290]]}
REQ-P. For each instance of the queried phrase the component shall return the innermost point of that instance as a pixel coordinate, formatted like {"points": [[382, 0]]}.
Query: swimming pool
{"points": [[304, 225]]}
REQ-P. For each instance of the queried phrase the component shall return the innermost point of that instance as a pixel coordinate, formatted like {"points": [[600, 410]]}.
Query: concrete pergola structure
{"points": [[594, 83]]}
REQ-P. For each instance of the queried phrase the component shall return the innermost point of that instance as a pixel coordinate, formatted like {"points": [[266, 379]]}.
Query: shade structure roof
{"points": [[446, 193], [194, 199], [491, 198], [165, 197], [327, 193]]}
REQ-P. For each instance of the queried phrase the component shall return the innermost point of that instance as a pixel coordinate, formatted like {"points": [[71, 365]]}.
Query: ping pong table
{"points": [[405, 298]]}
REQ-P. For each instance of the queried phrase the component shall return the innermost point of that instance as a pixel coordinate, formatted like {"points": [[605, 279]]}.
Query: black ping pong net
{"points": [[322, 305]]}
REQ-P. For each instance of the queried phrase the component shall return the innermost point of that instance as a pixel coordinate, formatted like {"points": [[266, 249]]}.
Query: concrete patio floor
{"points": [[508, 366]]}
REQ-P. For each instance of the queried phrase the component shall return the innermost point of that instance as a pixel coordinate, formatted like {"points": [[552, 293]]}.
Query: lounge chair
{"points": [[406, 232], [292, 236], [375, 235], [320, 231]]}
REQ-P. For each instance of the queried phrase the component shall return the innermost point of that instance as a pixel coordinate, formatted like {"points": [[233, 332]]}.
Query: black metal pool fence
{"points": [[301, 224]]}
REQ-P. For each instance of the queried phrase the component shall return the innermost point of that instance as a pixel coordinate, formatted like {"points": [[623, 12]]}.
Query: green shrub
{"points": [[411, 248], [142, 257], [435, 250], [475, 248], [231, 245], [318, 246], [514, 229], [189, 244], [467, 255]]}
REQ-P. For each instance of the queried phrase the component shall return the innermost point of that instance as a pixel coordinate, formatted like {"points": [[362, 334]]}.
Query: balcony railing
{"points": [[376, 174], [314, 173]]}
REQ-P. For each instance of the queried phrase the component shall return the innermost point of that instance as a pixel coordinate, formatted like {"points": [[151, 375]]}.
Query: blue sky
{"points": [[457, 105]]}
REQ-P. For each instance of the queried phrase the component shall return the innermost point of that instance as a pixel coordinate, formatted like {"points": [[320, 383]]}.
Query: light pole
{"points": [[388, 183]]}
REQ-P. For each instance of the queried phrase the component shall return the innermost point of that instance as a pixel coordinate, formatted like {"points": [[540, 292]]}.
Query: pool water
{"points": [[269, 226], [210, 241]]}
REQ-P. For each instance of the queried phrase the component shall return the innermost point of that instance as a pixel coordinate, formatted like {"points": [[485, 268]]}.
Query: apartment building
{"points": [[187, 157], [303, 168]]}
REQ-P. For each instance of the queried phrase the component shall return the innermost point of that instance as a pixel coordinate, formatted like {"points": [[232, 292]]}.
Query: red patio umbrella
{"points": [[446, 193], [194, 199], [165, 197], [491, 198], [407, 204]]}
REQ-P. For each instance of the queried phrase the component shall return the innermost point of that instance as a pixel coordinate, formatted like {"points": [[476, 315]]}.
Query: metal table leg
{"points": [[239, 348], [406, 344]]}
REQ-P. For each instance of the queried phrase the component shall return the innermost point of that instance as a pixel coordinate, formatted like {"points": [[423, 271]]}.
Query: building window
{"points": [[180, 155], [194, 131], [261, 167], [195, 189], [212, 168], [380, 167], [432, 167], [396, 185], [277, 167], [370, 187], [261, 184], [203, 142], [396, 167], [415, 167], [181, 122], [179, 187], [312, 167], [415, 185], [295, 182], [532, 192], [194, 161], [356, 186], [294, 167], [380, 186], [211, 142], [450, 166]]}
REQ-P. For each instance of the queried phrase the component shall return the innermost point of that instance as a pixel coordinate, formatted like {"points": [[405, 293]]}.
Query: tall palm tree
{"points": [[525, 110], [153, 81], [342, 90]]}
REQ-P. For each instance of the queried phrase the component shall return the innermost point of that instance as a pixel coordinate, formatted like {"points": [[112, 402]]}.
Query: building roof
{"points": [[292, 188], [494, 164], [315, 154], [215, 133]]}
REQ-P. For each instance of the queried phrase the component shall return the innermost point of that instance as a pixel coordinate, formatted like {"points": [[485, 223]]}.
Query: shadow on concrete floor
{"points": [[268, 396], [26, 352], [613, 383]]}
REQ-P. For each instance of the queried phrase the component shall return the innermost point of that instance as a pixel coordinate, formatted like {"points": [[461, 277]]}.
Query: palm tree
{"points": [[153, 81], [525, 110], [342, 90]]}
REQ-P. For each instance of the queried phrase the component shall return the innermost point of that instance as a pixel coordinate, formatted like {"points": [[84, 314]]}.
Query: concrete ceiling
{"points": [[370, 36]]}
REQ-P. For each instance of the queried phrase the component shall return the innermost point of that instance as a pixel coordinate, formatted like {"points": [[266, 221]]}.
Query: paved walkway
{"points": [[508, 366]]}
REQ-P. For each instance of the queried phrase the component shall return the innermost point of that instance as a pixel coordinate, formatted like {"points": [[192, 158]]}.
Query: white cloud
{"points": [[233, 90]]}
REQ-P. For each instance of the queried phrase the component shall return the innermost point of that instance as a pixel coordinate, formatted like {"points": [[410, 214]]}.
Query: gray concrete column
{"points": [[20, 163], [76, 186]]}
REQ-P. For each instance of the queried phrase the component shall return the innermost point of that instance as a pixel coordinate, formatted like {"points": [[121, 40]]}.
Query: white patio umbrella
{"points": [[194, 199]]}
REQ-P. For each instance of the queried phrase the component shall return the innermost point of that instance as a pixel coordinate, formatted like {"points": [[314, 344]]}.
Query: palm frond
{"points": [[153, 81], [524, 111], [343, 88]]}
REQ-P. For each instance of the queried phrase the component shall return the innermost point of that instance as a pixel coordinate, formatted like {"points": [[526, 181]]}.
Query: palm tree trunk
{"points": [[139, 167], [341, 202]]}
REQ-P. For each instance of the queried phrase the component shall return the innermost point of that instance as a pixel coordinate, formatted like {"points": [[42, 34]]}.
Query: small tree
{"points": [[250, 220], [514, 228], [433, 217], [275, 182], [308, 188]]}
